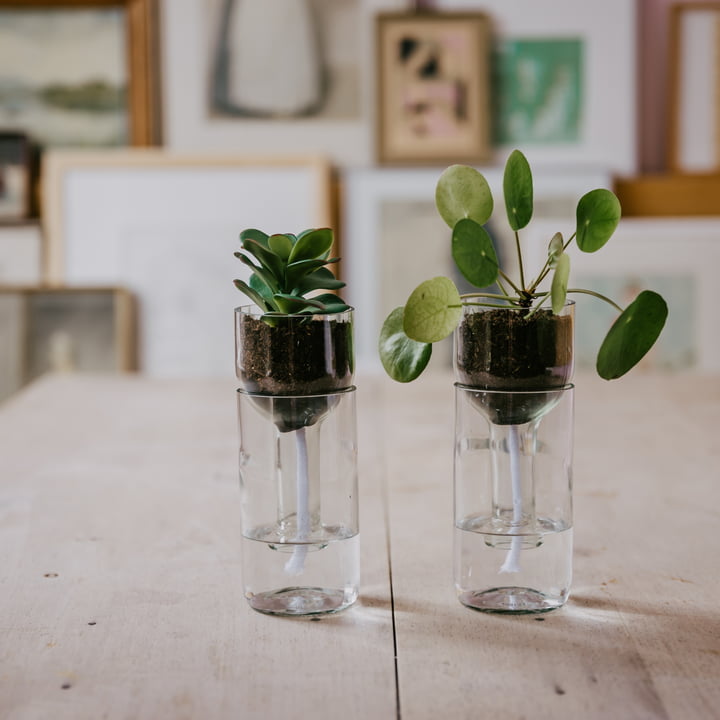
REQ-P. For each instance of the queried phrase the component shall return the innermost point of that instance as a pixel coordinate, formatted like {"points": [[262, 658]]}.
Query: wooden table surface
{"points": [[121, 596]]}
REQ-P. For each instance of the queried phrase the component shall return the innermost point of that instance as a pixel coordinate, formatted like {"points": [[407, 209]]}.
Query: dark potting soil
{"points": [[295, 356], [505, 350]]}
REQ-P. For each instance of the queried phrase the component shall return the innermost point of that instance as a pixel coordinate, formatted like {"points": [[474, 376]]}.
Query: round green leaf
{"points": [[632, 335], [403, 359], [312, 245], [463, 192], [432, 311], [474, 253], [598, 214], [518, 190], [558, 289]]}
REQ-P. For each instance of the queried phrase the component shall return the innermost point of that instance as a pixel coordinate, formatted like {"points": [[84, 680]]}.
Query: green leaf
{"points": [[312, 245], [257, 235], [632, 335], [256, 297], [321, 279], [281, 245], [598, 214], [265, 275], [555, 249], [332, 303], [266, 257], [518, 190], [403, 359], [558, 288], [257, 284], [433, 310], [463, 192], [298, 270], [292, 304], [474, 254]]}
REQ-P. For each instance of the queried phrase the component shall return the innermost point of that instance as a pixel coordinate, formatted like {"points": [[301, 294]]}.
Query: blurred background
{"points": [[139, 137]]}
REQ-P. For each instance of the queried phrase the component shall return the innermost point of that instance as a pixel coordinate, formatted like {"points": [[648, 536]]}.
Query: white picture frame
{"points": [[608, 33], [393, 237], [676, 257], [165, 227], [21, 249], [188, 31]]}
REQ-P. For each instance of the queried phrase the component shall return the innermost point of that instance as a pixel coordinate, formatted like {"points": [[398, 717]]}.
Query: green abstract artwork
{"points": [[538, 91]]}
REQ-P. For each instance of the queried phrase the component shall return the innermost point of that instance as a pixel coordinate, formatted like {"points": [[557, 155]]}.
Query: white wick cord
{"points": [[512, 560], [296, 564]]}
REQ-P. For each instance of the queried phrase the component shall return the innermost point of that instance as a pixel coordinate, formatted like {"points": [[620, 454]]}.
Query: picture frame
{"points": [[394, 237], [15, 176], [21, 254], [607, 33], [694, 81], [166, 227], [642, 254], [190, 44], [120, 47], [433, 87], [83, 329]]}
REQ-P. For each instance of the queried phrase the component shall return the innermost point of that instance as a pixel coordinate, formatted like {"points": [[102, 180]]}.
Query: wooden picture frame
{"points": [[694, 97], [81, 329], [15, 176], [140, 27], [433, 87], [166, 226]]}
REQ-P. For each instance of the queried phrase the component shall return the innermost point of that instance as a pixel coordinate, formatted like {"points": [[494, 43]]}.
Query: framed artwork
{"points": [[394, 238], [433, 85], [89, 329], [20, 254], [643, 253], [15, 171], [79, 73], [202, 110], [166, 226], [568, 47], [694, 109]]}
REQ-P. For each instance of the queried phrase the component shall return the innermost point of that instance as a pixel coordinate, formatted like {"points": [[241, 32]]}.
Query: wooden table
{"points": [[121, 597]]}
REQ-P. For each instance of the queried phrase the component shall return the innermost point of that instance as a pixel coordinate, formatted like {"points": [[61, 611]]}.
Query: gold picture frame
{"points": [[433, 83], [140, 29]]}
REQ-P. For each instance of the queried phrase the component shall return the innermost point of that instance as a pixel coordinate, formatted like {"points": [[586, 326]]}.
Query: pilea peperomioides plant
{"points": [[286, 268], [435, 308]]}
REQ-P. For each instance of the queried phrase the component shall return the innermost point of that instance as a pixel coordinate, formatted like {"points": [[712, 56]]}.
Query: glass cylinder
{"points": [[513, 500], [299, 502], [293, 354]]}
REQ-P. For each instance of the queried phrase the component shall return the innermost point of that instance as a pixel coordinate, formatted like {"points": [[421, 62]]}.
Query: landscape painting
{"points": [[64, 76]]}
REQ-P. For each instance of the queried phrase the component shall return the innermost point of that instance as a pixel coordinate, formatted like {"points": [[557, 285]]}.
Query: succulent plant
{"points": [[286, 268]]}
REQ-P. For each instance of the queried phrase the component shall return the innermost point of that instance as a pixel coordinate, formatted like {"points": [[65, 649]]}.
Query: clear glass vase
{"points": [[299, 497], [513, 500]]}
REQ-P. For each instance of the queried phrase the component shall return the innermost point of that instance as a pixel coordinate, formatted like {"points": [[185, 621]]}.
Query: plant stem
{"points": [[597, 295], [520, 260], [546, 267], [511, 283]]}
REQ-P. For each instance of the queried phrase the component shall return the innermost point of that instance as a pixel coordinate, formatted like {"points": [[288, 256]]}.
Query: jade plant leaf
{"points": [[433, 310], [265, 275], [463, 192], [518, 190], [598, 214], [312, 245], [255, 296], [474, 254], [260, 287], [558, 288], [403, 359], [321, 279], [632, 335], [253, 234], [265, 256], [281, 245]]}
